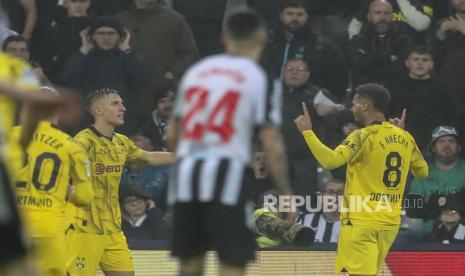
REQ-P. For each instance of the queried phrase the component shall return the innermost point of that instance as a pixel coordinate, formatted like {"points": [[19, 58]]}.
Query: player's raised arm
{"points": [[157, 158], [328, 158]]}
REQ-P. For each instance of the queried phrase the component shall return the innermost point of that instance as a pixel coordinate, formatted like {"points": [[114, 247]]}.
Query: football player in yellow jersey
{"points": [[54, 161], [17, 84], [95, 238], [378, 158]]}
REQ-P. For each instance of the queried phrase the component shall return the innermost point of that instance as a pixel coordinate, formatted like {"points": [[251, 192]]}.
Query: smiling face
{"points": [[109, 109]]}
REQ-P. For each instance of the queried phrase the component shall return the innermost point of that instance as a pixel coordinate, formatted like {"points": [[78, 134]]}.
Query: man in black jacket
{"points": [[62, 40], [428, 101], [293, 38], [377, 52], [298, 89], [105, 60]]}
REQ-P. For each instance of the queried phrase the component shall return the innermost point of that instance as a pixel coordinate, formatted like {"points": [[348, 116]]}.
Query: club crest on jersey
{"points": [[80, 263], [101, 168]]}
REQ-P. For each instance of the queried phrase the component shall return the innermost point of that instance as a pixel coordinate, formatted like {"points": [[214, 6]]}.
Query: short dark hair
{"points": [[377, 94], [13, 38], [420, 50], [243, 25], [293, 4], [298, 59], [98, 94]]}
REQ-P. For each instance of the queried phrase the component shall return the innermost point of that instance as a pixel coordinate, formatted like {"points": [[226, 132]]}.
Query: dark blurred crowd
{"points": [[320, 50]]}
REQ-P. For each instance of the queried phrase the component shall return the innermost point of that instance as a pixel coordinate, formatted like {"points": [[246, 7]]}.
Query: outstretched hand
{"points": [[303, 122], [400, 122]]}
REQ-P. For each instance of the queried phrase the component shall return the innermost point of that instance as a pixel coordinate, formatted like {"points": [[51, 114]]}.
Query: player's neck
{"points": [[250, 53], [104, 128], [374, 117]]}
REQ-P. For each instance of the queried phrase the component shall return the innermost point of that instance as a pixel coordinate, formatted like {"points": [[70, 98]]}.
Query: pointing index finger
{"points": [[304, 108]]}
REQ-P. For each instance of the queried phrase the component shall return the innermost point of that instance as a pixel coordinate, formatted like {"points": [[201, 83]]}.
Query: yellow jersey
{"points": [[108, 156], [378, 159], [54, 161], [18, 73]]}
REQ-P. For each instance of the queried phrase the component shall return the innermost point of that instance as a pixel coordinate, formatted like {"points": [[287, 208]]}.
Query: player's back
{"points": [[16, 73], [52, 161], [221, 100], [378, 172]]}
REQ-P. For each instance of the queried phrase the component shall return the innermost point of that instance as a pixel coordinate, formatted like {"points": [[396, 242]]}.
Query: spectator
{"points": [[428, 101], [293, 38], [376, 54], [258, 179], [449, 44], [298, 89], [205, 22], [448, 227], [272, 230], [63, 39], [105, 60], [17, 46], [326, 222], [164, 40], [446, 176], [411, 16], [155, 126], [22, 15], [141, 219], [332, 18]]}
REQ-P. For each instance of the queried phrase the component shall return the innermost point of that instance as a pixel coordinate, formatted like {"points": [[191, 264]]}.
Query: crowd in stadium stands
{"points": [[318, 49]]}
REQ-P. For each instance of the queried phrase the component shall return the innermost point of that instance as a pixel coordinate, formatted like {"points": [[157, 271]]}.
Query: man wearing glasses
{"points": [[297, 89]]}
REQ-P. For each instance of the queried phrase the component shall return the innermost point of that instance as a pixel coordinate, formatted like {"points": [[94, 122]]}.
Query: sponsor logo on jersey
{"points": [[101, 168]]}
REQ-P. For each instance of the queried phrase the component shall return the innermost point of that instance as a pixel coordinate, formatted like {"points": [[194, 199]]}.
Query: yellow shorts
{"points": [[363, 249], [86, 252], [49, 255]]}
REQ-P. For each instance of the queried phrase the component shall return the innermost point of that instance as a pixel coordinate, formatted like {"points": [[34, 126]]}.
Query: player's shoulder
{"points": [[220, 61], [120, 137]]}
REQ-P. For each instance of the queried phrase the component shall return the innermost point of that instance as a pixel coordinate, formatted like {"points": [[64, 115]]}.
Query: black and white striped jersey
{"points": [[220, 103], [325, 231]]}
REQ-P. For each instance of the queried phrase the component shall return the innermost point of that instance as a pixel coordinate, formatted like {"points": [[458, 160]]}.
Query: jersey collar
{"points": [[96, 132]]}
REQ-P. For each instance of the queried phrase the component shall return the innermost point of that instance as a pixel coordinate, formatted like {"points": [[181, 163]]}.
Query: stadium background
{"points": [[152, 258]]}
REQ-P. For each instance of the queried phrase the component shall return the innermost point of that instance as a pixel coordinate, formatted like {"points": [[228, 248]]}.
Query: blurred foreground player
{"points": [[95, 238], [379, 158], [222, 100], [17, 84], [54, 161]]}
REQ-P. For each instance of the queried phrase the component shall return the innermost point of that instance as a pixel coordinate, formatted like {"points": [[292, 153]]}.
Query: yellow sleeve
{"points": [[80, 177], [133, 151], [418, 165], [328, 158]]}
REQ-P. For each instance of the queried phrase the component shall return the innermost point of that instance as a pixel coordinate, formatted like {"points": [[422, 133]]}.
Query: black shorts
{"points": [[198, 227], [12, 240]]}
